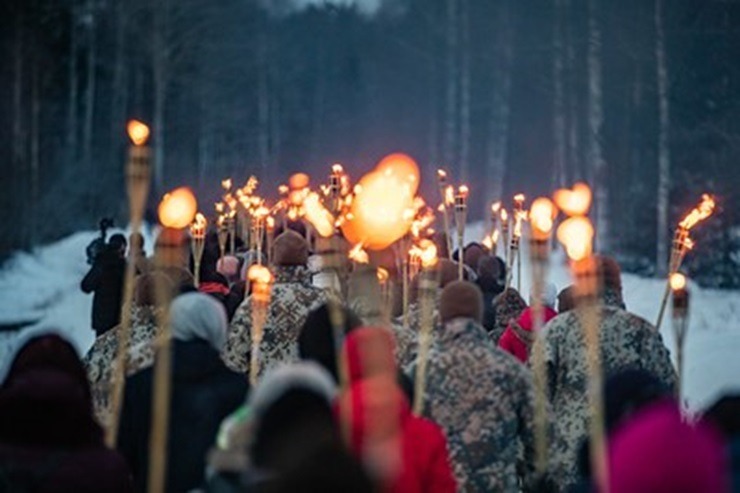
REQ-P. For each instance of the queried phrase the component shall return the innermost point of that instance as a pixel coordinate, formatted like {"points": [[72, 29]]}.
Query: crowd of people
{"points": [[332, 406]]}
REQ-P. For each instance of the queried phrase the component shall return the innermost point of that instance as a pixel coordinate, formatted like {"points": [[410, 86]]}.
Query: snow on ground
{"points": [[44, 286]]}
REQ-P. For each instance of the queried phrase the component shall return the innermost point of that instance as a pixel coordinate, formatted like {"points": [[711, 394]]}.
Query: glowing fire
{"points": [[298, 181], [359, 255], [426, 252], [382, 275], [699, 213], [198, 228], [138, 132], [576, 234], [519, 200], [495, 207], [259, 274], [449, 195], [270, 223], [441, 175], [678, 281], [226, 184], [177, 208], [505, 217], [318, 215], [575, 201], [403, 167], [337, 169], [541, 215]]}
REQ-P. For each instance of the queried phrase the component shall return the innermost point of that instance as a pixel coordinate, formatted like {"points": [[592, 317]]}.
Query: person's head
{"points": [[146, 286], [548, 296], [368, 352], [472, 253], [292, 413], [461, 299], [316, 340], [656, 451], [136, 240], [229, 267], [610, 274], [629, 391], [198, 316], [488, 268], [566, 299], [290, 249], [45, 397], [117, 243]]}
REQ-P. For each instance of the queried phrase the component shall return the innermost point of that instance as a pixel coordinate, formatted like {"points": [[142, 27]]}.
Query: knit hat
{"points": [[461, 299], [448, 272], [290, 248], [488, 268], [199, 316], [472, 253], [610, 273], [657, 452]]}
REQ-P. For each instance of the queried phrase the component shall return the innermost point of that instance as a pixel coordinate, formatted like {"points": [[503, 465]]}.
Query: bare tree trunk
{"points": [[465, 91], [73, 86], [597, 164], [573, 164], [275, 120], [18, 83], [87, 144], [119, 100], [501, 108], [160, 61], [451, 111], [664, 156], [559, 131], [263, 105], [35, 146]]}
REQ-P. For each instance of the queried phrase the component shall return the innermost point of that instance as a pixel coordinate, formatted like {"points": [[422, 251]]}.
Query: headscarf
{"points": [[199, 316]]}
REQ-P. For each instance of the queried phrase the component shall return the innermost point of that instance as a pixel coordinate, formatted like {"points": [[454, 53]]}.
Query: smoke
{"points": [[367, 8]]}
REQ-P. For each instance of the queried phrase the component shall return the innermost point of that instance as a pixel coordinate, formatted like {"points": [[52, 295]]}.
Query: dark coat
{"points": [[204, 392], [49, 440], [105, 280], [490, 289]]}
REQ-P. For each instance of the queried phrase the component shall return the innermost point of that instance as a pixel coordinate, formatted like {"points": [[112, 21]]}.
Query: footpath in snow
{"points": [[43, 287]]}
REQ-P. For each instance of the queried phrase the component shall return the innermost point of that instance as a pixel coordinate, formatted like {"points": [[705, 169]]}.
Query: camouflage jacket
{"points": [[626, 341], [293, 297], [483, 398], [99, 360], [406, 342]]}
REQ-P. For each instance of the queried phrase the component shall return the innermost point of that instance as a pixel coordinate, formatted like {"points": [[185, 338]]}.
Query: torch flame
{"points": [[441, 175], [198, 228], [574, 202], [337, 169], [449, 195], [576, 234], [318, 215], [504, 216], [270, 223], [488, 242], [519, 199], [138, 132], [177, 208], [226, 184], [426, 252], [495, 207], [359, 255], [382, 275], [678, 281], [463, 191], [541, 215], [259, 274], [699, 213]]}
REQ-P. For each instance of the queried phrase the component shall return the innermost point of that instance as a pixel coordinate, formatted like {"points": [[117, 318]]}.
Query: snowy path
{"points": [[44, 286]]}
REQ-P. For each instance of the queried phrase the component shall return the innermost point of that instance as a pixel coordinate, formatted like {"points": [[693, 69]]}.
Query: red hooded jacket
{"points": [[512, 342], [407, 453]]}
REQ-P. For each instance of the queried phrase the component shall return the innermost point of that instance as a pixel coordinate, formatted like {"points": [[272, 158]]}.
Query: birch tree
{"points": [[664, 157]]}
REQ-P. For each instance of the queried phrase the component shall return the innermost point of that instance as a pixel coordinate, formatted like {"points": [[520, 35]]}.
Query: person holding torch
{"points": [[599, 326]]}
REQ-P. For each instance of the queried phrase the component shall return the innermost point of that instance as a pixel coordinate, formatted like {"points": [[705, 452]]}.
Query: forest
{"points": [[640, 98]]}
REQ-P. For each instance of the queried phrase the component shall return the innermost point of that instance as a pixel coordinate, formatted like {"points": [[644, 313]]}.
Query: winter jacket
{"points": [[49, 440], [409, 453], [105, 280], [626, 341], [100, 359], [518, 338], [490, 289], [293, 297], [483, 399], [507, 305], [204, 391]]}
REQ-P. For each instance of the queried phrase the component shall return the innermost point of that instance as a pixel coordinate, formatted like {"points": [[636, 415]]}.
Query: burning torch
{"points": [[682, 243], [461, 213], [428, 284], [519, 216], [680, 320], [137, 184], [260, 279], [442, 184], [197, 243]]}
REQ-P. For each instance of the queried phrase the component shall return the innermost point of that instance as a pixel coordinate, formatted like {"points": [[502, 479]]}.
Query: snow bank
{"points": [[44, 286]]}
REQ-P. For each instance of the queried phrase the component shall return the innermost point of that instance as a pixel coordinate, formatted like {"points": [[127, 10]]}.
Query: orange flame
{"points": [[519, 200], [259, 274], [505, 217], [337, 169], [541, 215], [441, 175], [177, 208], [576, 234], [575, 201], [270, 223], [318, 215], [299, 181], [359, 255], [226, 184], [699, 213], [198, 227], [678, 281], [426, 252], [495, 207], [383, 275], [138, 132]]}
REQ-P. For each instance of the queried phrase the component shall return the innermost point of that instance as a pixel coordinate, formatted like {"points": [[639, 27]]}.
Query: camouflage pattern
{"points": [[293, 297], [483, 398], [406, 343], [507, 305], [99, 360], [626, 341]]}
